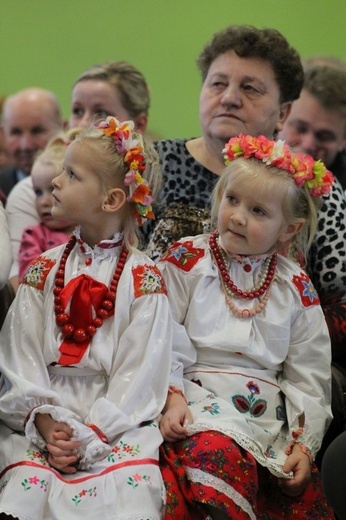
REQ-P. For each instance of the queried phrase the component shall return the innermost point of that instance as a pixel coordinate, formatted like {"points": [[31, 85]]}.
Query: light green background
{"points": [[48, 43]]}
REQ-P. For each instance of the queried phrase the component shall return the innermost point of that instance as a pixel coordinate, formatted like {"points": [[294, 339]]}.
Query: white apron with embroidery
{"points": [[119, 385]]}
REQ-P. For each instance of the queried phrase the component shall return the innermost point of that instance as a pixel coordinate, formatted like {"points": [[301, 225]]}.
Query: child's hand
{"points": [[299, 463], [176, 416], [59, 444]]}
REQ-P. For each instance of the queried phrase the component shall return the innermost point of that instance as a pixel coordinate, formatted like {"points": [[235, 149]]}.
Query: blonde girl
{"points": [[249, 400], [86, 376]]}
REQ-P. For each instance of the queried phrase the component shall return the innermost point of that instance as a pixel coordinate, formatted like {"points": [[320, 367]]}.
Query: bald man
{"points": [[30, 118]]}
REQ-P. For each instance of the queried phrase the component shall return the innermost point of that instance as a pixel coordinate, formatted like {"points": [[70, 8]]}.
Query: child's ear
{"points": [[291, 230], [114, 200]]}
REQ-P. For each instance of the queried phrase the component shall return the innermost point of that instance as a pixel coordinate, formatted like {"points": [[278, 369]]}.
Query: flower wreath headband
{"points": [[304, 169], [132, 150]]}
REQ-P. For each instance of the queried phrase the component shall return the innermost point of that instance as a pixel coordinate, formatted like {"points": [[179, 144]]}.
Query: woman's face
{"points": [[92, 98], [240, 95]]}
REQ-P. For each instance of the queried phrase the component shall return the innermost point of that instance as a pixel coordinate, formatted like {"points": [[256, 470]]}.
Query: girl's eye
{"points": [[232, 199], [38, 192], [259, 211], [71, 174]]}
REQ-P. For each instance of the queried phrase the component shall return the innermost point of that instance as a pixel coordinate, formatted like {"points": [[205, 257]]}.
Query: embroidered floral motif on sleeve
{"points": [[184, 255], [38, 271], [307, 291], [147, 279]]}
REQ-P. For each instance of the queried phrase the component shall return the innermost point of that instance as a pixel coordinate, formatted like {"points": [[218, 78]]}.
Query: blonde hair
{"points": [[297, 201], [54, 151], [111, 169], [128, 81]]}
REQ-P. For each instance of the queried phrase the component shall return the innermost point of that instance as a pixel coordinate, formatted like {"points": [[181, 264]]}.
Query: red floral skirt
{"points": [[210, 469]]}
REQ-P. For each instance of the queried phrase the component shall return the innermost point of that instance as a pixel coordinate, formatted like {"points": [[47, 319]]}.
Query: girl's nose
{"points": [[238, 217], [55, 181]]}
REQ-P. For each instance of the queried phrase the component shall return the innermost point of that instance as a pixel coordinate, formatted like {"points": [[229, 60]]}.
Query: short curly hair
{"points": [[266, 44]]}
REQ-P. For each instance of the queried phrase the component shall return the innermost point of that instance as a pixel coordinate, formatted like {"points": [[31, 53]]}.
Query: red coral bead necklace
{"points": [[105, 309], [231, 290]]}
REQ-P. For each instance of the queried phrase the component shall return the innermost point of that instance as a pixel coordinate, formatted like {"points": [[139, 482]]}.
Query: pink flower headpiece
{"points": [[132, 150], [304, 169]]}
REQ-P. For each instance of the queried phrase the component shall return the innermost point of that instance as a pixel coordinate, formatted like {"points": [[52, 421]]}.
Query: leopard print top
{"points": [[184, 210]]}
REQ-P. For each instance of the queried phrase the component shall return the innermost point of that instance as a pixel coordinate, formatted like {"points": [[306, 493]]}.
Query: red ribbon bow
{"points": [[86, 294]]}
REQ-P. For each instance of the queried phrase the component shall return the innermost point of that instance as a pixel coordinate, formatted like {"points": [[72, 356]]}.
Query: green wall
{"points": [[49, 43]]}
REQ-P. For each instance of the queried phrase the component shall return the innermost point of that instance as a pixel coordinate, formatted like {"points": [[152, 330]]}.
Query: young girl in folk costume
{"points": [[50, 232], [85, 351], [249, 414]]}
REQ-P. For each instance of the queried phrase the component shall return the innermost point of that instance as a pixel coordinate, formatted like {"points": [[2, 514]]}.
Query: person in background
{"points": [[89, 368], [104, 89], [50, 232], [317, 122], [249, 400], [111, 88], [250, 79], [30, 118]]}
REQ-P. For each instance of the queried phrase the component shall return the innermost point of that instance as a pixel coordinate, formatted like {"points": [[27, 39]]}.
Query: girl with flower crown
{"points": [[249, 400], [85, 350]]}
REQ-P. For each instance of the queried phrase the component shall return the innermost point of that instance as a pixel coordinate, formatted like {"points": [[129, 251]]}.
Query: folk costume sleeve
{"points": [[306, 376], [177, 268]]}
